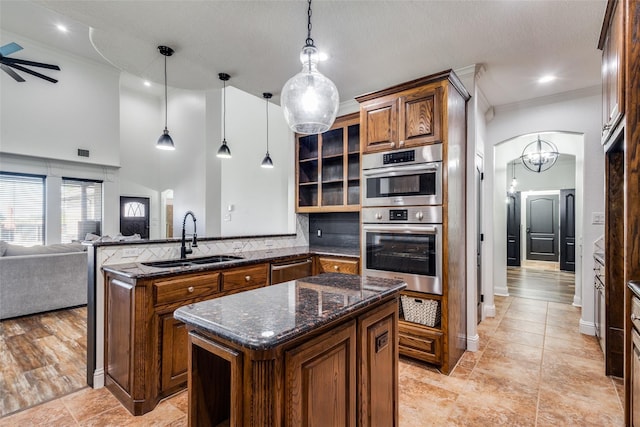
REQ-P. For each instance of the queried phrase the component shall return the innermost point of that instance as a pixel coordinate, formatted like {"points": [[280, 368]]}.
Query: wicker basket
{"points": [[423, 311]]}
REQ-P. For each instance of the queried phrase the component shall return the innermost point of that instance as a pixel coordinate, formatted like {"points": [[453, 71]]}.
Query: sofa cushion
{"points": [[17, 250]]}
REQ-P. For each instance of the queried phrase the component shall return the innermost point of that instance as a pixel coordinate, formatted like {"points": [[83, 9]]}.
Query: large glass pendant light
{"points": [[165, 142], [267, 163], [309, 99], [223, 151]]}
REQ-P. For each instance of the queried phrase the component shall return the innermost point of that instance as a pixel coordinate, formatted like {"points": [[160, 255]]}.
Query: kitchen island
{"points": [[322, 351]]}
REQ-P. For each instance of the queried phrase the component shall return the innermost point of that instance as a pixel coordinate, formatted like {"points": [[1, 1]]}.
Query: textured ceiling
{"points": [[372, 44]]}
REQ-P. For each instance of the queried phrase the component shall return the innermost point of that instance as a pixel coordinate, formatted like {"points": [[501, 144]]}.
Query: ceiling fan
{"points": [[16, 63]]}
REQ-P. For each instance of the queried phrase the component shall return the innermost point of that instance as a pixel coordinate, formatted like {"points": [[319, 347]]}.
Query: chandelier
{"points": [[539, 156]]}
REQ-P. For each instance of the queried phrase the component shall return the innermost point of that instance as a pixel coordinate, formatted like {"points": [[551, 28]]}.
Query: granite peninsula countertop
{"points": [[264, 318], [137, 270]]}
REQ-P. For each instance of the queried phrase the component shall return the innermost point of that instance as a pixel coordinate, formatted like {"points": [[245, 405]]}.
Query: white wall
{"points": [[52, 121], [259, 197], [577, 112], [561, 176]]}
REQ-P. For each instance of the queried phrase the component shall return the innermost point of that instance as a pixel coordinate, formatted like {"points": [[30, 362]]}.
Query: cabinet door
{"points": [[635, 379], [174, 348], [321, 380], [613, 72], [337, 265], [421, 117], [379, 123], [378, 370]]}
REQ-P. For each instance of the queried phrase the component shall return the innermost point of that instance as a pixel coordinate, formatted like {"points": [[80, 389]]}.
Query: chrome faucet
{"points": [[193, 244]]}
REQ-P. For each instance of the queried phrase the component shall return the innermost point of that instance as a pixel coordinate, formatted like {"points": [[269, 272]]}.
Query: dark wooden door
{"points": [[542, 228], [568, 230], [513, 229], [134, 216]]}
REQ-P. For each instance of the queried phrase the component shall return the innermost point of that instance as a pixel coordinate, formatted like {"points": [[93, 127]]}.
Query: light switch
{"points": [[227, 217], [597, 218]]}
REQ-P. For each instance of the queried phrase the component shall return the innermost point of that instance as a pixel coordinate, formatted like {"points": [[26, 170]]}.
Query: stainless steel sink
{"points": [[191, 261]]}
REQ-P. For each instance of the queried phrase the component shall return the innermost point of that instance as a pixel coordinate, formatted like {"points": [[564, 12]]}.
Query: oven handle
{"points": [[421, 230], [402, 169]]}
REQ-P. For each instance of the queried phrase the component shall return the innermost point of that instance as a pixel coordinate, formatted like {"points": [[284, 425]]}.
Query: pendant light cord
{"points": [[267, 126], [165, 92], [224, 111], [309, 41]]}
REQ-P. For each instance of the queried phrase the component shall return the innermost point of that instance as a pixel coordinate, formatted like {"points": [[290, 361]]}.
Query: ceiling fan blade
{"points": [[10, 61], [10, 48], [33, 73], [12, 73]]}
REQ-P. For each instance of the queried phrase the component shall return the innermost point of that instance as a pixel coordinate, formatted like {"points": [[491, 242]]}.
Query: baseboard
{"points": [[501, 292], [473, 343], [98, 378], [577, 301], [489, 310], [587, 328]]}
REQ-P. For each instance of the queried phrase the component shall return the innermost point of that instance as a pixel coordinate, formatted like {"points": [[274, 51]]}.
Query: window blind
{"points": [[81, 209], [22, 208]]}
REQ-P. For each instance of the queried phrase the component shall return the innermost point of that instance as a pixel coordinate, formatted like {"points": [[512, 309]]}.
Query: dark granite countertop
{"points": [[137, 270], [265, 318]]}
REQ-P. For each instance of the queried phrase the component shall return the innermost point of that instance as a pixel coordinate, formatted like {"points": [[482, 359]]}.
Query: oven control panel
{"points": [[401, 157], [408, 215]]}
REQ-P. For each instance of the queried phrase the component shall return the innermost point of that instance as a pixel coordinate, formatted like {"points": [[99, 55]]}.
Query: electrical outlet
{"points": [[130, 252], [227, 217], [319, 232], [268, 242], [597, 218], [237, 245]]}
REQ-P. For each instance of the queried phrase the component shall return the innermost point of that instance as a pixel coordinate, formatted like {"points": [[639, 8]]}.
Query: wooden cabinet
{"points": [[334, 264], [146, 349], [635, 379], [419, 341], [612, 45], [291, 270], [244, 278], [321, 380], [328, 168], [407, 118]]}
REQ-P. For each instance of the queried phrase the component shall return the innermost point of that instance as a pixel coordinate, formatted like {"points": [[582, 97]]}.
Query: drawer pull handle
{"points": [[190, 289], [247, 278], [336, 268], [634, 317], [393, 145]]}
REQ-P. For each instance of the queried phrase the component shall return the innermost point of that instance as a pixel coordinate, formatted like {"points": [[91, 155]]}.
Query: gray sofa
{"points": [[41, 278]]}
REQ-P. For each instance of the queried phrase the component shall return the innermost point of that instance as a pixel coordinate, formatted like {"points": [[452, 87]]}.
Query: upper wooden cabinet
{"points": [[612, 46], [407, 118], [328, 168]]}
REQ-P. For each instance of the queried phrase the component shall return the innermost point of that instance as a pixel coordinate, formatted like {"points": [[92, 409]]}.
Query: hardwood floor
{"points": [[42, 357], [534, 368], [541, 284]]}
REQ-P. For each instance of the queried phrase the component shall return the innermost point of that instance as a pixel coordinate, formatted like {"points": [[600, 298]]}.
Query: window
{"points": [[22, 208], [81, 209]]}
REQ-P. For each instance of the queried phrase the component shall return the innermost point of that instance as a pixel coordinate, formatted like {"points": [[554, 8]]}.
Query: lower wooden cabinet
{"points": [[421, 342], [321, 380], [173, 346], [334, 264]]}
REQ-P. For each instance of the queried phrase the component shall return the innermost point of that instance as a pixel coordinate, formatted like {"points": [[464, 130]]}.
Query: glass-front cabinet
{"points": [[328, 168]]}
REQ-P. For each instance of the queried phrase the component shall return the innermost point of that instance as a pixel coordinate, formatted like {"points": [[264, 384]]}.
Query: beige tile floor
{"points": [[533, 369]]}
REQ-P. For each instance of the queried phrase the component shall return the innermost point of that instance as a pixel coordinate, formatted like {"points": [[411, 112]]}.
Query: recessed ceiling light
{"points": [[546, 79], [62, 28], [147, 83]]}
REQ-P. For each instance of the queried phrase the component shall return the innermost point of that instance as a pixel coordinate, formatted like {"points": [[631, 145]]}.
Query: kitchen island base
{"points": [[344, 372]]}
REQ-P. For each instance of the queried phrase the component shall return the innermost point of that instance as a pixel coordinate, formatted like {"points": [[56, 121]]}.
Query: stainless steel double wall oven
{"points": [[402, 216]]}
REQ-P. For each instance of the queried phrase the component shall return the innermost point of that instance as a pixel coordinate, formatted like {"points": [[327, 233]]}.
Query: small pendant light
{"points": [[309, 99], [267, 163], [223, 151], [165, 142]]}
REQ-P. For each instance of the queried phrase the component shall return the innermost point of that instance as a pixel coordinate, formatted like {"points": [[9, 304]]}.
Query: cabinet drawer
{"points": [[420, 343], [246, 277], [338, 265], [185, 287]]}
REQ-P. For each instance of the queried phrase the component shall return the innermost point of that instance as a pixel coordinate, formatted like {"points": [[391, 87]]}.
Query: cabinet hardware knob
{"points": [[190, 288], [606, 127], [393, 144], [247, 278], [336, 268], [401, 143], [634, 317]]}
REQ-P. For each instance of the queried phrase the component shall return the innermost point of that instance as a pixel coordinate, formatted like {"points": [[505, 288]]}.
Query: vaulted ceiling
{"points": [[371, 44]]}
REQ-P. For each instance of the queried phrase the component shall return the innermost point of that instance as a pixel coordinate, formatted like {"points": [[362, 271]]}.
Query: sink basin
{"points": [[191, 261]]}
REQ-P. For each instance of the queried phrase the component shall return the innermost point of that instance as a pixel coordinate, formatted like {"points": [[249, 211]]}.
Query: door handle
{"points": [[528, 230]]}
